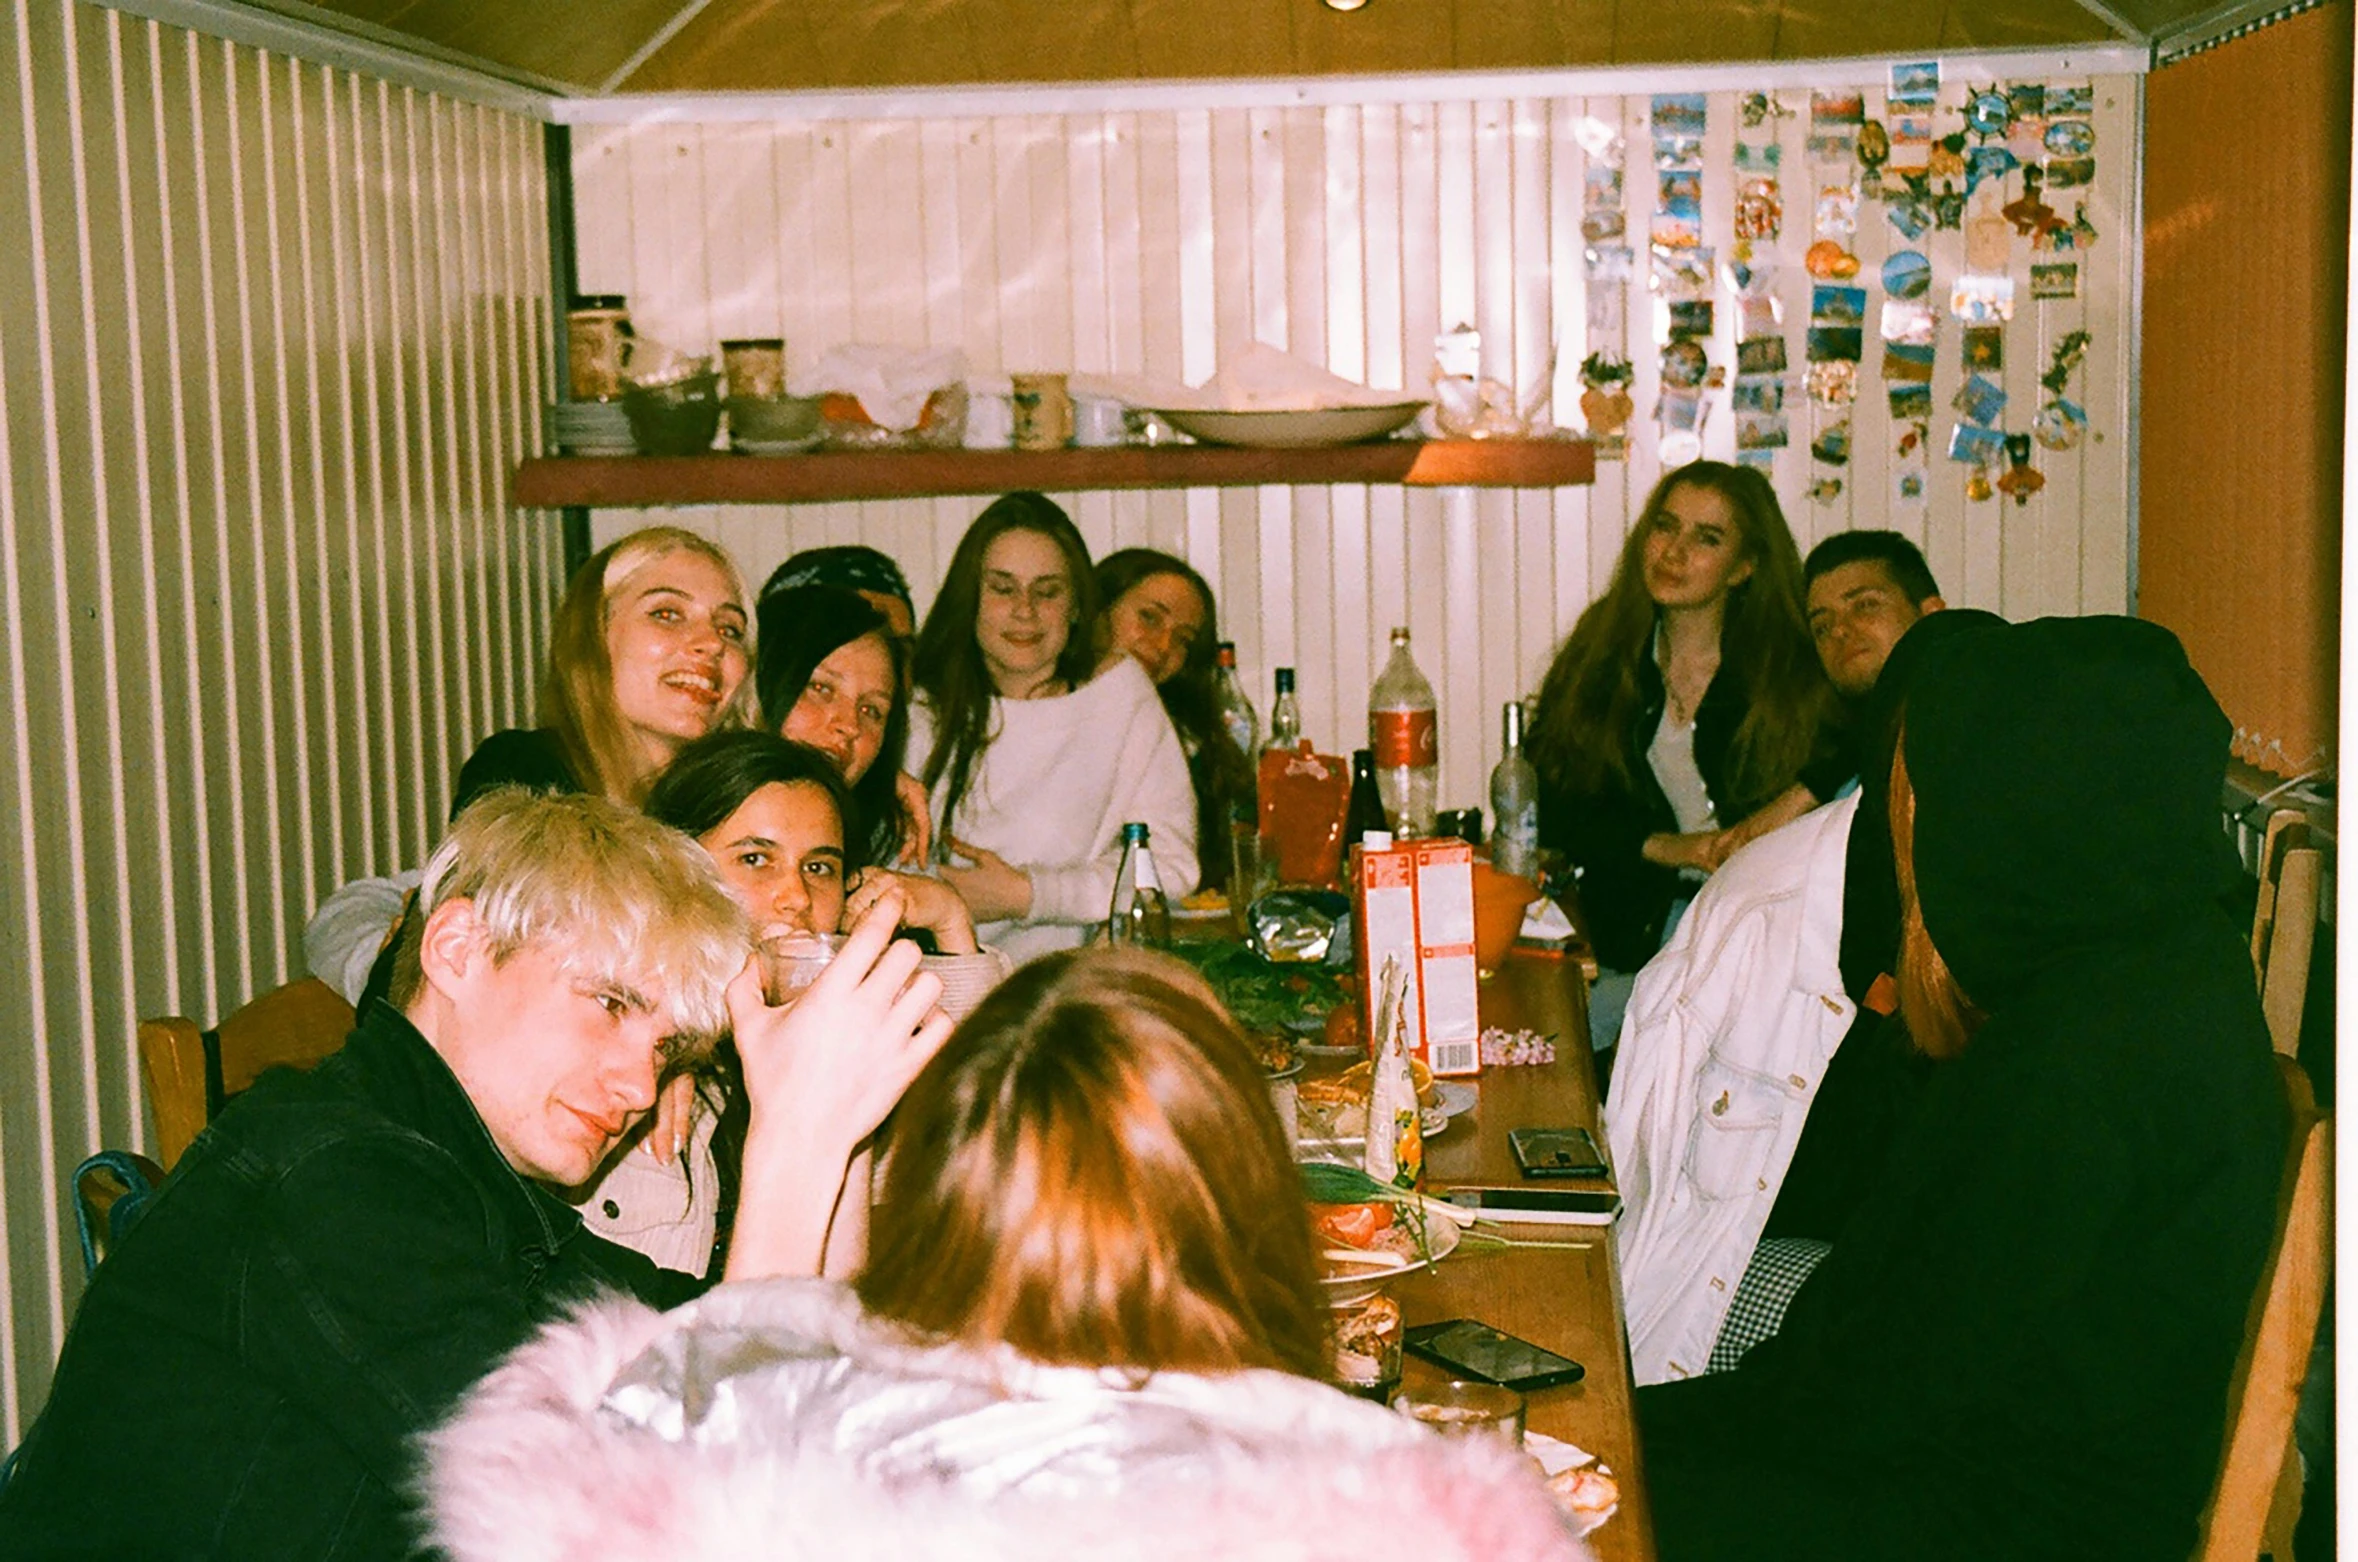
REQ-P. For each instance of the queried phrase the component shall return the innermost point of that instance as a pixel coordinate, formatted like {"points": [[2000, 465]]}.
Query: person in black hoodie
{"points": [[2022, 1341]]}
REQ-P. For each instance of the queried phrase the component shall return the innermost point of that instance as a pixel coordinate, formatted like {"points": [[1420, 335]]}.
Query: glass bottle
{"points": [[1514, 802], [1236, 710], [1365, 811], [1139, 913], [1285, 715], [1404, 730]]}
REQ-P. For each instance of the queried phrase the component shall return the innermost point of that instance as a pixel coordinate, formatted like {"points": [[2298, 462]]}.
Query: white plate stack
{"points": [[589, 428]]}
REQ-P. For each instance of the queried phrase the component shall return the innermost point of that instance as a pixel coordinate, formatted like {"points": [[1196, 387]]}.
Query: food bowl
{"points": [[676, 418], [1309, 429], [763, 425], [1500, 899]]}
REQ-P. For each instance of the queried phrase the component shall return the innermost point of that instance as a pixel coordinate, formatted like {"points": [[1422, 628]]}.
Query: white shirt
{"points": [[1728, 1034], [1051, 791]]}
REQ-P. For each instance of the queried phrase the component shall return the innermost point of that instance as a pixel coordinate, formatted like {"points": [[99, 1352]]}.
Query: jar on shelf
{"points": [[597, 346]]}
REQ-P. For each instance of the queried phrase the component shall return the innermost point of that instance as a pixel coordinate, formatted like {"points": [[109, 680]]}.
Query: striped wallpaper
{"points": [[271, 339], [1152, 240]]}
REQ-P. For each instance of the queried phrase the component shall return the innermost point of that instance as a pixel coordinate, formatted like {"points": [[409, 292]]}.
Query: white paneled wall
{"points": [[271, 339], [1150, 240]]}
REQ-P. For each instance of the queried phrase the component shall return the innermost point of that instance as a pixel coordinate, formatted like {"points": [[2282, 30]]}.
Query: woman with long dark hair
{"points": [[1089, 1324], [1034, 756], [1678, 719], [1158, 610]]}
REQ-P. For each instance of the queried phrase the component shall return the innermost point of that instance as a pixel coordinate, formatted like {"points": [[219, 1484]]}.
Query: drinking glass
{"points": [[792, 961], [1461, 1409]]}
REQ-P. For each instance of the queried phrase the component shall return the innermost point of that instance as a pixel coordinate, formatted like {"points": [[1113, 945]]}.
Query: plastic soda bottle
{"points": [[1404, 730]]}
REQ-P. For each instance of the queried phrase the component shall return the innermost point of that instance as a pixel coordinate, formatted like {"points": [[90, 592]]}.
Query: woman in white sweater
{"points": [[1032, 764]]}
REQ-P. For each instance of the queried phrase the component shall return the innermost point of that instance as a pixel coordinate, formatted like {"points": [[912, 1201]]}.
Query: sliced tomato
{"points": [[1352, 1225]]}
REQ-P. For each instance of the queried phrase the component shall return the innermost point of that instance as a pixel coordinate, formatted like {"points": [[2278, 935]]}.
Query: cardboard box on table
{"points": [[1415, 903]]}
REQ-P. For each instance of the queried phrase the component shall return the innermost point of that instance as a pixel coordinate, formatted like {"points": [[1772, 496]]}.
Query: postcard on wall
{"points": [[1691, 319], [2066, 173], [1832, 305], [1916, 83], [1909, 361], [1759, 157], [1761, 355], [2059, 279], [1981, 399], [1985, 347], [2078, 99], [1610, 263], [1758, 393], [1758, 317], [1909, 400], [1976, 446], [1982, 300], [1762, 431], [1908, 320], [1601, 185], [1834, 344], [1604, 225]]}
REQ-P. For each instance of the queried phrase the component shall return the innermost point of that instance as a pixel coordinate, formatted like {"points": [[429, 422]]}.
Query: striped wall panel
{"points": [[1150, 240], [271, 338]]}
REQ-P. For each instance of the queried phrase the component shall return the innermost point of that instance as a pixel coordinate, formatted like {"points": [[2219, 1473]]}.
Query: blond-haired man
{"points": [[344, 1252]]}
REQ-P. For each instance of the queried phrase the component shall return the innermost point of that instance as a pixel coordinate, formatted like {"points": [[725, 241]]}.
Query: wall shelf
{"points": [[561, 482]]}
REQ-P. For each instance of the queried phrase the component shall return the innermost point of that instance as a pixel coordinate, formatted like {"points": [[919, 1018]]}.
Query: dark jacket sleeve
{"points": [[514, 758]]}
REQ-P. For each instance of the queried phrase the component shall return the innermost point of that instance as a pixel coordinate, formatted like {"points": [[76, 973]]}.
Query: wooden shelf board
{"points": [[559, 482]]}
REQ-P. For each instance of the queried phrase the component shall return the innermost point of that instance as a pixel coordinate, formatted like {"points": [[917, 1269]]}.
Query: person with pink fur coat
{"points": [[1089, 1324]]}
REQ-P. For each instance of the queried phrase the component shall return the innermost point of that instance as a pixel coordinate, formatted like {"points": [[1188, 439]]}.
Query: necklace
{"points": [[1683, 689]]}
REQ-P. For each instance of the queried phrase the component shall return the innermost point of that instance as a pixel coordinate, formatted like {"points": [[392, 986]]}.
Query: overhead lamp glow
{"points": [[1344, 5]]}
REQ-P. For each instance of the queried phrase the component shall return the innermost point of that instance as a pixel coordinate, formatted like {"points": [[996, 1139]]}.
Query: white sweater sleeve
{"points": [[1150, 782]]}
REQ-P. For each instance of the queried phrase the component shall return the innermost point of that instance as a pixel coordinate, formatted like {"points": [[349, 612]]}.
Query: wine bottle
{"points": [[1285, 715], [1139, 914], [1514, 802]]}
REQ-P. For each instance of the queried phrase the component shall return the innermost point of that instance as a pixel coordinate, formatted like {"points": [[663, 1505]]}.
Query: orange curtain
{"points": [[2247, 225]]}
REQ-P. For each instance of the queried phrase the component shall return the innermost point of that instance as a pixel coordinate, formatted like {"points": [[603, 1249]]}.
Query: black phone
{"points": [[1556, 1152], [1475, 1350]]}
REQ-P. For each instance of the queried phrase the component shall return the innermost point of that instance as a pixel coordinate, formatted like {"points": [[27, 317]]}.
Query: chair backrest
{"points": [[2284, 924], [191, 1072], [2278, 1334]]}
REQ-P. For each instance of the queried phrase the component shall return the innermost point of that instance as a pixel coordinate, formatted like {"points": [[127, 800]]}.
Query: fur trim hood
{"points": [[624, 1433]]}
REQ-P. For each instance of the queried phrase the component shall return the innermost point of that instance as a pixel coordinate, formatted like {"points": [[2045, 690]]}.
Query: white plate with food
{"points": [[1309, 429], [1582, 1487], [1352, 1271]]}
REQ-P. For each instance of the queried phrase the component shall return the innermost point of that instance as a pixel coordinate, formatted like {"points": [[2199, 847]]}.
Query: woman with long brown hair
{"points": [[1677, 721], [2021, 1342], [1090, 1324], [1033, 754], [1158, 610]]}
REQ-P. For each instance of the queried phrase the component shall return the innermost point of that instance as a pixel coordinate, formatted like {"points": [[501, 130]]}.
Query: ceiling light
{"points": [[1344, 5]]}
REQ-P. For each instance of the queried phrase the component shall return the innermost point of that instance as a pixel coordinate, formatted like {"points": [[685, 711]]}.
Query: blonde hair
{"points": [[577, 685], [607, 892], [1091, 1172]]}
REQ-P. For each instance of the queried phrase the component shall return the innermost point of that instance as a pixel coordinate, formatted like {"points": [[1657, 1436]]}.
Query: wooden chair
{"points": [[2257, 1497], [111, 1191], [191, 1072], [2284, 924]]}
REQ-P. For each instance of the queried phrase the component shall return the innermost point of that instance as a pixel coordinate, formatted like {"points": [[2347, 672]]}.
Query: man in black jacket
{"points": [[345, 1252]]}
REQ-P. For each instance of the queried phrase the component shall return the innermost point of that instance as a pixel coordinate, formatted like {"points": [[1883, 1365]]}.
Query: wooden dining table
{"points": [[1566, 1298]]}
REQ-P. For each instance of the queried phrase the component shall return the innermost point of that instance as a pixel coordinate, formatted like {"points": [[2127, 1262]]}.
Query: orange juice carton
{"points": [[1415, 904]]}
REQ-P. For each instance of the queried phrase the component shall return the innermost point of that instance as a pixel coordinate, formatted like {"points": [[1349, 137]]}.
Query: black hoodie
{"points": [[2021, 1343]]}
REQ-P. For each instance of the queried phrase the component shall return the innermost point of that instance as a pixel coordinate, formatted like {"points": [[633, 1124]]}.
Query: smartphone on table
{"points": [[1473, 1349], [1556, 1152]]}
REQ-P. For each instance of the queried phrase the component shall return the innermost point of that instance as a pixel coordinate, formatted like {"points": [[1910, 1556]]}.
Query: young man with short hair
{"points": [[345, 1252], [1862, 589]]}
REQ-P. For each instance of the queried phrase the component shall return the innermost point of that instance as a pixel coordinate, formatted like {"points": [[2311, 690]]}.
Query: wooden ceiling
{"points": [[596, 47]]}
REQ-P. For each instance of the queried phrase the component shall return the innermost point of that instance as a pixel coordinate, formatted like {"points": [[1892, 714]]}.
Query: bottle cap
{"points": [[1135, 830], [1228, 653], [1285, 680], [1375, 840]]}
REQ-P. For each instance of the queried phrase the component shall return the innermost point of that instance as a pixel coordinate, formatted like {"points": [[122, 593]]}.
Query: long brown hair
{"points": [[948, 668], [1581, 740], [1091, 1172], [1939, 1017], [577, 684], [1222, 772]]}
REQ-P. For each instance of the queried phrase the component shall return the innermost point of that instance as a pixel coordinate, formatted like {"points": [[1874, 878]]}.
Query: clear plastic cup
{"points": [[792, 961]]}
